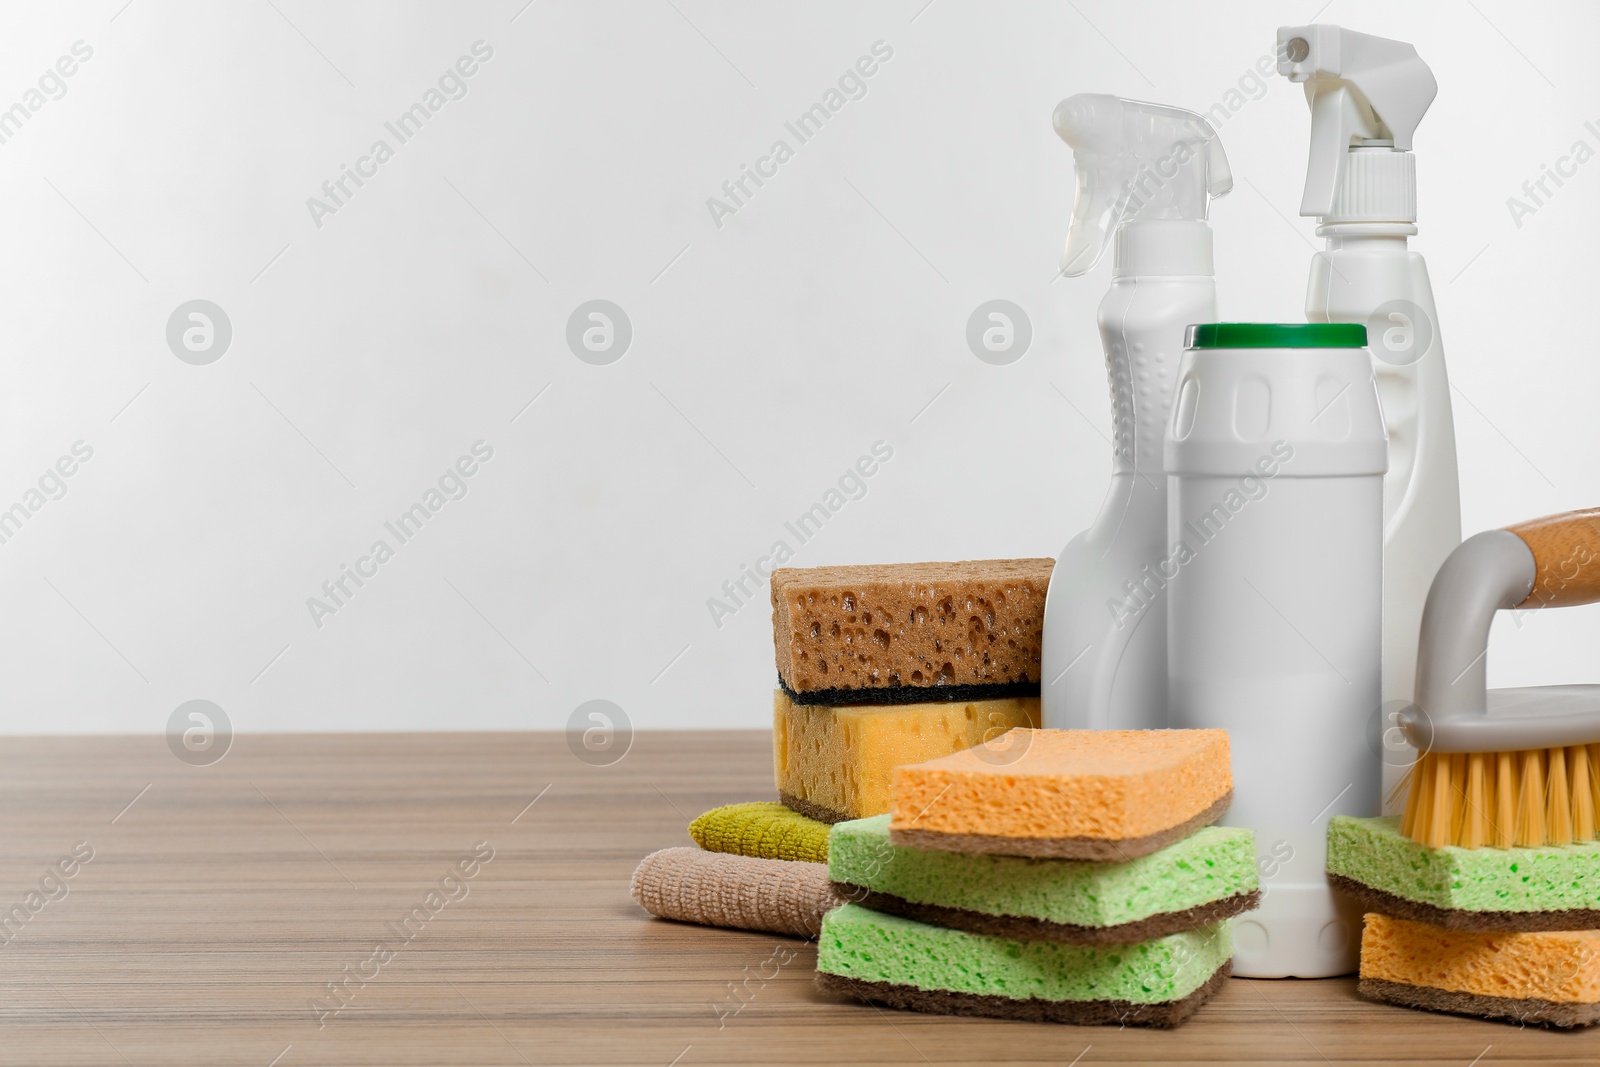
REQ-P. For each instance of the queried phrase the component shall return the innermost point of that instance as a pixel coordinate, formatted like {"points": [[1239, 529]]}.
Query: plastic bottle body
{"points": [[1275, 462], [1104, 662], [1373, 278]]}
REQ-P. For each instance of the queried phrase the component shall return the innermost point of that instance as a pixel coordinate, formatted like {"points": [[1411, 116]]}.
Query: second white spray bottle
{"points": [[1367, 96], [1145, 176]]}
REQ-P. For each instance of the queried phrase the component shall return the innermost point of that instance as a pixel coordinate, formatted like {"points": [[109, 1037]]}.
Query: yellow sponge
{"points": [[762, 829], [835, 763]]}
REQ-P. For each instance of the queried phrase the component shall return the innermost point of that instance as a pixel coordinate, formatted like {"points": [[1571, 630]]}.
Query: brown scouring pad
{"points": [[908, 633], [1163, 1016]]}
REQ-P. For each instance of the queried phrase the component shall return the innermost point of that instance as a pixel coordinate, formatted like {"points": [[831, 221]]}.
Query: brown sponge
{"points": [[721, 889], [910, 632]]}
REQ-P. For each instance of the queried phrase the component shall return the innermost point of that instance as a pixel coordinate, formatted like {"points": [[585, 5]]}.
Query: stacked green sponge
{"points": [[1142, 941], [908, 964], [1546, 887], [1199, 880]]}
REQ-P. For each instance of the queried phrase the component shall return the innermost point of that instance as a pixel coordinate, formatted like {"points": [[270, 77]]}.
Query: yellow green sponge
{"points": [[764, 829]]}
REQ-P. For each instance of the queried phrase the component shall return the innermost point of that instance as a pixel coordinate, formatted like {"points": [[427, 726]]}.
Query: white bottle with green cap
{"points": [[1275, 461], [1146, 175], [1367, 96]]}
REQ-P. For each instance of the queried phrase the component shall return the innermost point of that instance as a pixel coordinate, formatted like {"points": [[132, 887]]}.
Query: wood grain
{"points": [[1566, 551], [219, 905]]}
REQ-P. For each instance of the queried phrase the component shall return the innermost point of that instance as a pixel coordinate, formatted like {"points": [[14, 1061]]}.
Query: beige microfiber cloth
{"points": [[721, 889]]}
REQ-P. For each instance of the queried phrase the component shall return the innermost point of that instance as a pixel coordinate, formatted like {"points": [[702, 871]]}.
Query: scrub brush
{"points": [[1503, 768]]}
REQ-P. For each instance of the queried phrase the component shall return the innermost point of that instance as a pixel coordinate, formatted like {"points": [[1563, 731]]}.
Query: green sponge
{"points": [[1199, 880], [764, 829], [909, 964], [1553, 887]]}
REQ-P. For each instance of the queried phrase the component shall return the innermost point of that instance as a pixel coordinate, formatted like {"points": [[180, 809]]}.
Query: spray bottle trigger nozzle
{"points": [[1134, 162], [1362, 89], [1219, 174], [1338, 117]]}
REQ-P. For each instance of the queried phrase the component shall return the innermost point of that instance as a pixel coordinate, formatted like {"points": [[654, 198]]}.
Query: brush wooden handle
{"points": [[1566, 551]]}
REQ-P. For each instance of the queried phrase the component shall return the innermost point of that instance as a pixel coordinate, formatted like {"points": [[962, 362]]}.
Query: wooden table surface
{"points": [[220, 902]]}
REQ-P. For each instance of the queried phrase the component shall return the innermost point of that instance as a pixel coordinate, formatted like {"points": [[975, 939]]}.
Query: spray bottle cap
{"points": [[1367, 95], [1137, 162]]}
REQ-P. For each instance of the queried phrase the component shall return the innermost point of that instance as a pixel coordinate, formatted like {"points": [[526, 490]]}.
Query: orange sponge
{"points": [[1073, 794], [1550, 977]]}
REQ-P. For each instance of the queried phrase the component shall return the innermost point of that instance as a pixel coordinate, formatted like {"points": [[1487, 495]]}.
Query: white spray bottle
{"points": [[1145, 176], [1367, 96]]}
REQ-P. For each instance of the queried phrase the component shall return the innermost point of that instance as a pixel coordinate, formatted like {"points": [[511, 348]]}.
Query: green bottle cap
{"points": [[1276, 335]]}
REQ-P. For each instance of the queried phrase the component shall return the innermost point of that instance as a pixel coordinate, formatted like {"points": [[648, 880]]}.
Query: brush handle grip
{"points": [[1543, 563], [1566, 552], [1487, 573]]}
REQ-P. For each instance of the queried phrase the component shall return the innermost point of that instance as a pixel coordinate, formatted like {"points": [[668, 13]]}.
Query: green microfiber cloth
{"points": [[764, 829]]}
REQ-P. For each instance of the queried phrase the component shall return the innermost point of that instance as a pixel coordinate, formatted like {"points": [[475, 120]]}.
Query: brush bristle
{"points": [[1528, 830], [1505, 798], [1474, 832], [1540, 796], [1583, 813]]}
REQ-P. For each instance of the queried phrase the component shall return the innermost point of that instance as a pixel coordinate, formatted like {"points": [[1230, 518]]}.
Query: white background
{"points": [[768, 354]]}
